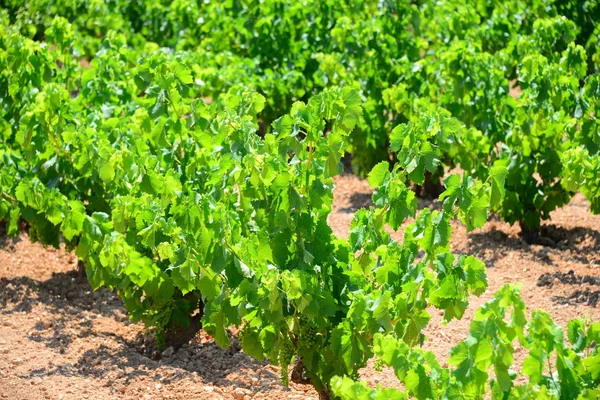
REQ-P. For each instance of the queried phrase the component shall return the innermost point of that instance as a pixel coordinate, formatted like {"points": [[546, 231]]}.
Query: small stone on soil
{"points": [[168, 352], [240, 393]]}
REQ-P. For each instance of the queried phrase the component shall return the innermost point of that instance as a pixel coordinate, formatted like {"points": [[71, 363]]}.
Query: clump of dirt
{"points": [[553, 236], [578, 297], [568, 278]]}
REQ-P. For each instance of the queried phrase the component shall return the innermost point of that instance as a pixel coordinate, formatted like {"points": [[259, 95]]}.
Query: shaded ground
{"points": [[59, 340]]}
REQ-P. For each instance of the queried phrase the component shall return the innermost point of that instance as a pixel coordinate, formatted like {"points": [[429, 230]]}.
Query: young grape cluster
{"points": [[161, 322], [308, 334], [286, 353], [243, 332], [378, 364]]}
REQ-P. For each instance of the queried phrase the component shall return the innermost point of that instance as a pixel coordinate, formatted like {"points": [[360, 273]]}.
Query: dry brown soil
{"points": [[60, 340]]}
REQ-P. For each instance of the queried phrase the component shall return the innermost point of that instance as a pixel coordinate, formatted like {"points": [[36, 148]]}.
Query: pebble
{"points": [[3, 350], [209, 389], [556, 281], [239, 393], [168, 352], [17, 361], [7, 323]]}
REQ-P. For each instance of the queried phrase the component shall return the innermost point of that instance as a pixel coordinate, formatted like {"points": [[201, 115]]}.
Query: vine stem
{"points": [[66, 72], [173, 103], [550, 368], [209, 272], [232, 250], [59, 149], [308, 165], [178, 115], [385, 209], [9, 197]]}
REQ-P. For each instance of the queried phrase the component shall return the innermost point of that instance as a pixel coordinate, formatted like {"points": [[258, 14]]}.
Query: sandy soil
{"points": [[59, 340]]}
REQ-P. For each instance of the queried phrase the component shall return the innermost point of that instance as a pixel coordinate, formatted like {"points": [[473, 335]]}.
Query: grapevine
{"points": [[189, 163]]}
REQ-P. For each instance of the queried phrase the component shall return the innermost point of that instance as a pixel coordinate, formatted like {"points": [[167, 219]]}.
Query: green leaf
{"points": [[477, 214], [140, 269], [483, 354], [217, 328], [476, 276], [593, 366], [252, 345], [72, 224], [498, 177], [397, 137], [166, 251], [576, 334], [106, 170], [379, 173], [503, 377]]}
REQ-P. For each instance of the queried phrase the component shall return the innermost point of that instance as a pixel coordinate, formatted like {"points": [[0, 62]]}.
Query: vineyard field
{"points": [[325, 199], [97, 331]]}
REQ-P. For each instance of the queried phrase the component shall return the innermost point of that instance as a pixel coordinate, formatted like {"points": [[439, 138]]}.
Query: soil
{"points": [[60, 340]]}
